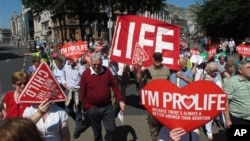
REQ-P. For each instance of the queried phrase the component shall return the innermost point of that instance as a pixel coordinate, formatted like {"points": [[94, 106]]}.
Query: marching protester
{"points": [[213, 75], [231, 46], [10, 101], [155, 71], [71, 77], [51, 120], [19, 129], [229, 71], [181, 78], [96, 97], [237, 90], [35, 64], [58, 73]]}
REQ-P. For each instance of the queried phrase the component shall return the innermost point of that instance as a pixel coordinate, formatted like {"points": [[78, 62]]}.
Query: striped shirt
{"points": [[238, 91]]}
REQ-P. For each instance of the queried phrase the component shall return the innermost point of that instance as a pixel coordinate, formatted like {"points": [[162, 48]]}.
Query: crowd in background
{"points": [[78, 78]]}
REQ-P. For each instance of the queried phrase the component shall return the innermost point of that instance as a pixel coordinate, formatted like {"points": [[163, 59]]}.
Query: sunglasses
{"points": [[21, 83]]}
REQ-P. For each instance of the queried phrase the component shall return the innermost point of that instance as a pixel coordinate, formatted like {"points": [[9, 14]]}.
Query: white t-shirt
{"points": [[51, 127]]}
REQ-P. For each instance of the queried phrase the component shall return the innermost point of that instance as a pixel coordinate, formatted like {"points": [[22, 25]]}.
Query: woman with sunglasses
{"points": [[11, 106]]}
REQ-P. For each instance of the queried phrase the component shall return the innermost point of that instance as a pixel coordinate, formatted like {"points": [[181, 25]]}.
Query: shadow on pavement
{"points": [[122, 133], [5, 48], [134, 101], [4, 56]]}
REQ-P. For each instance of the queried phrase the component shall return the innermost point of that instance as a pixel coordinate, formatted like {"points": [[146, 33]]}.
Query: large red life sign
{"points": [[151, 35], [189, 107]]}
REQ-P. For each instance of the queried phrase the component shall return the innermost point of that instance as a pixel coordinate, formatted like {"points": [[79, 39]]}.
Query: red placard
{"points": [[211, 52], [189, 107], [151, 35], [42, 85], [75, 50], [243, 50]]}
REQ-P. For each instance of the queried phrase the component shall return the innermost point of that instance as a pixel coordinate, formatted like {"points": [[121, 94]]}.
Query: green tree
{"points": [[224, 18]]}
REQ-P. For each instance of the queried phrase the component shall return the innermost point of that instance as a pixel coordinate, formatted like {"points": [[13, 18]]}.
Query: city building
{"points": [[5, 36], [48, 28]]}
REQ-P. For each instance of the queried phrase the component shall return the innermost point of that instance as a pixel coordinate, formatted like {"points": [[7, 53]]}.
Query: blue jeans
{"points": [[106, 115], [76, 115]]}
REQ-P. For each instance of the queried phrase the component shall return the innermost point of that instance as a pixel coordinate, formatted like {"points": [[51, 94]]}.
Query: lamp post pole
{"points": [[110, 23]]}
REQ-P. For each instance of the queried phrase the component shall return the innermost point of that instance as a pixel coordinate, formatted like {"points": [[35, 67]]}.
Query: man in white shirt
{"points": [[231, 45], [71, 77]]}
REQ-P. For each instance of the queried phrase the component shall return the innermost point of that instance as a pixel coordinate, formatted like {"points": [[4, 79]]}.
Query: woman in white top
{"points": [[51, 121]]}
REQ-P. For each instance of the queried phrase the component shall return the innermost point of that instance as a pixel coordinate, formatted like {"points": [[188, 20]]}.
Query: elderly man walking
{"points": [[95, 88]]}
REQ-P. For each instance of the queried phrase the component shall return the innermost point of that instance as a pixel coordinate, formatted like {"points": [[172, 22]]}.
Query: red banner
{"points": [[150, 35], [189, 107], [42, 85], [243, 50]]}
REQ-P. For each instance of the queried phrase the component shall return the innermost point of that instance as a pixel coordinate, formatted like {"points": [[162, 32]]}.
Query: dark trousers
{"points": [[236, 121], [102, 114], [154, 127]]}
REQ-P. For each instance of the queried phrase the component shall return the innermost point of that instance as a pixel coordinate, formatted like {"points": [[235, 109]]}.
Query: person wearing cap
{"points": [[155, 71]]}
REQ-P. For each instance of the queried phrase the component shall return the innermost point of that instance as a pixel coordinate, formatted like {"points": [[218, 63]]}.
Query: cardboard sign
{"points": [[42, 85], [196, 59], [75, 50], [243, 50], [189, 107], [151, 35]]}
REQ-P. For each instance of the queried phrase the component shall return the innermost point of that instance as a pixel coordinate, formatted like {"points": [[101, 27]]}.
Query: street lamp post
{"points": [[110, 22]]}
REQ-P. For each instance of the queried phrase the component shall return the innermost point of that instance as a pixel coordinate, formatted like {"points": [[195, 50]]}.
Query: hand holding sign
{"points": [[190, 107]]}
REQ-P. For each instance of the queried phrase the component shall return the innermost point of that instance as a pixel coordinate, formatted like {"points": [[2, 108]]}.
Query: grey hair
{"points": [[211, 66], [242, 64], [95, 56]]}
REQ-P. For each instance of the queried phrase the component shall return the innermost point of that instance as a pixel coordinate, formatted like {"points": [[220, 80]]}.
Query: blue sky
{"points": [[181, 3], [7, 7]]}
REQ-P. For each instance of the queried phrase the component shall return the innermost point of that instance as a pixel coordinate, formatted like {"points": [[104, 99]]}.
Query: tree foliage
{"points": [[224, 17]]}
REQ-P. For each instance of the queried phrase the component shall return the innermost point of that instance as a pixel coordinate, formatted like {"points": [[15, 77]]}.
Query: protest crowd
{"points": [[95, 87]]}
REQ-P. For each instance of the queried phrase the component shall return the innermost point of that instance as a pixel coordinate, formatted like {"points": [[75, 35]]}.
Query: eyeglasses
{"points": [[21, 83]]}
